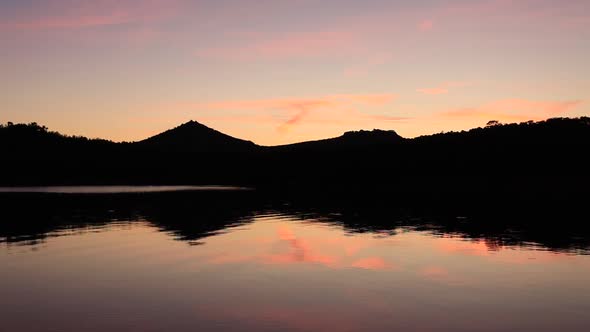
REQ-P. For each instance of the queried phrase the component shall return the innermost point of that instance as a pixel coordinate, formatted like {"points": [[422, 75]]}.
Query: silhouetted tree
{"points": [[492, 123]]}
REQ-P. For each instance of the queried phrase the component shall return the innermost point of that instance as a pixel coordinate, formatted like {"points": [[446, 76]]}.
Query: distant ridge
{"points": [[196, 137], [530, 160], [361, 139]]}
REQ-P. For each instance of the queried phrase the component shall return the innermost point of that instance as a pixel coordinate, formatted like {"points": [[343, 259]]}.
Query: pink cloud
{"points": [[371, 62], [443, 88], [295, 110], [286, 46], [79, 15], [540, 14], [425, 25], [371, 99], [269, 104], [74, 22], [380, 117], [433, 91]]}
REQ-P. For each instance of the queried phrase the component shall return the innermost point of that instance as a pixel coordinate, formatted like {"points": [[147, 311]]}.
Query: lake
{"points": [[113, 189], [229, 260]]}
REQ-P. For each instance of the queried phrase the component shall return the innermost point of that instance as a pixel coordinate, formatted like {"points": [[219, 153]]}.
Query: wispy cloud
{"points": [[433, 91], [544, 14], [73, 22], [425, 25], [443, 88], [371, 62], [515, 110], [284, 46], [292, 111], [82, 14]]}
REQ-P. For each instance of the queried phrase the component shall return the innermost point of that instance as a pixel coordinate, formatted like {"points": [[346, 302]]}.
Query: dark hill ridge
{"points": [[526, 160], [351, 140], [196, 137]]}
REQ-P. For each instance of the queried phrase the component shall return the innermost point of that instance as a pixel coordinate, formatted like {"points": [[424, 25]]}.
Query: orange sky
{"points": [[284, 71]]}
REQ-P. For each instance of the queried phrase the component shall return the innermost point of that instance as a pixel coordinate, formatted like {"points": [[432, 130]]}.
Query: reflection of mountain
{"points": [[188, 216], [192, 216], [549, 229]]}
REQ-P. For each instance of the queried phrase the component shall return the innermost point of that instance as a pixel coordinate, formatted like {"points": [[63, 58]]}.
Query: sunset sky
{"points": [[278, 71]]}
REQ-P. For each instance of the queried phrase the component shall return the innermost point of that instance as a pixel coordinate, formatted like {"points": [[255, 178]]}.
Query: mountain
{"points": [[196, 137], [351, 140], [529, 160]]}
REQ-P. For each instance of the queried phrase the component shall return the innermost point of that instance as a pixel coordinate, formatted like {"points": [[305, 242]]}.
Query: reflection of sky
{"points": [[280, 274], [284, 71]]}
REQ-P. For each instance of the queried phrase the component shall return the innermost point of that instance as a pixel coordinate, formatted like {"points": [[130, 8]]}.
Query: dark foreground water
{"points": [[226, 262]]}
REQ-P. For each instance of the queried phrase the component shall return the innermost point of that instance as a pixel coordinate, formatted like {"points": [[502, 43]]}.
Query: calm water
{"points": [[205, 262], [112, 189]]}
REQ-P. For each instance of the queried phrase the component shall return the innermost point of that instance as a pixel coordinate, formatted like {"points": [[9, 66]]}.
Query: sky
{"points": [[278, 71]]}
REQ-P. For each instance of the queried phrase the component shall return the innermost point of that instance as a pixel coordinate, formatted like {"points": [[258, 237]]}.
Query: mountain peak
{"points": [[194, 136], [193, 124]]}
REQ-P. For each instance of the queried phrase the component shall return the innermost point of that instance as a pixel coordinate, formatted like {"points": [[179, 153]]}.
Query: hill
{"points": [[352, 140], [195, 137], [529, 160]]}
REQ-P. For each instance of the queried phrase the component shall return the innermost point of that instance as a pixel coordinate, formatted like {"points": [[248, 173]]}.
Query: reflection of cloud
{"points": [[490, 250], [301, 251], [229, 259], [457, 246], [287, 248], [443, 275], [285, 233], [298, 251], [371, 263], [283, 315], [533, 257], [434, 272]]}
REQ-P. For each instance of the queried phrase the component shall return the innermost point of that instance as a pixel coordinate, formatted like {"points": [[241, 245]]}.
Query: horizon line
{"points": [[493, 122]]}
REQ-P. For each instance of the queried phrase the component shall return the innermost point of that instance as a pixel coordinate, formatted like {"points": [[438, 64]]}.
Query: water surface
{"points": [[187, 263], [112, 189]]}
